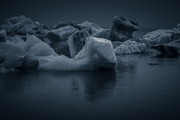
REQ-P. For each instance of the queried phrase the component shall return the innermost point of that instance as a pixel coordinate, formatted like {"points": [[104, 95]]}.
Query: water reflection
{"points": [[99, 84], [134, 90], [127, 63], [93, 85], [11, 84]]}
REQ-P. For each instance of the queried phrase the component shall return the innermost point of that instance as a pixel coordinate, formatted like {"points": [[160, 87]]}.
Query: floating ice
{"points": [[122, 29], [96, 53], [162, 36], [10, 56], [130, 47]]}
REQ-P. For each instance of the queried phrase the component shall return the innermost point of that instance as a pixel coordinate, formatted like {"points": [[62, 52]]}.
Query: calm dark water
{"points": [[140, 88]]}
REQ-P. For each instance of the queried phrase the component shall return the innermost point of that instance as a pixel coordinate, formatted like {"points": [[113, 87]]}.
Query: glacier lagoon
{"points": [[141, 87]]}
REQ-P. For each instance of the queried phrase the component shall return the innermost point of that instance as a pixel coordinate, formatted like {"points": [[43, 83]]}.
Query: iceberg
{"points": [[32, 46], [166, 51], [35, 47], [11, 61], [97, 53], [63, 24], [29, 63], [92, 27], [59, 38], [61, 48], [176, 44], [31, 40], [177, 27], [130, 47], [61, 34], [22, 25], [162, 36], [122, 29], [104, 33], [35, 54], [3, 36], [10, 56], [167, 41], [11, 48], [16, 38], [41, 49]]}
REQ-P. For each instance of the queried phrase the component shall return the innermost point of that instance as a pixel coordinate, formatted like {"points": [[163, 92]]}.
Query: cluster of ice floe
{"points": [[25, 44]]}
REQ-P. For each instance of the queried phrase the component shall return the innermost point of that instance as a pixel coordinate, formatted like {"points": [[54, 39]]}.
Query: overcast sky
{"points": [[148, 13]]}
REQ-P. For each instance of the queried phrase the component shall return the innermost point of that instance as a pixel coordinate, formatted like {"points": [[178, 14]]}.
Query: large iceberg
{"points": [[97, 53], [122, 29]]}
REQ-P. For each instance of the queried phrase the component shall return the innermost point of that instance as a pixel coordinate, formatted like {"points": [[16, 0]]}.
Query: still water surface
{"points": [[140, 88]]}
